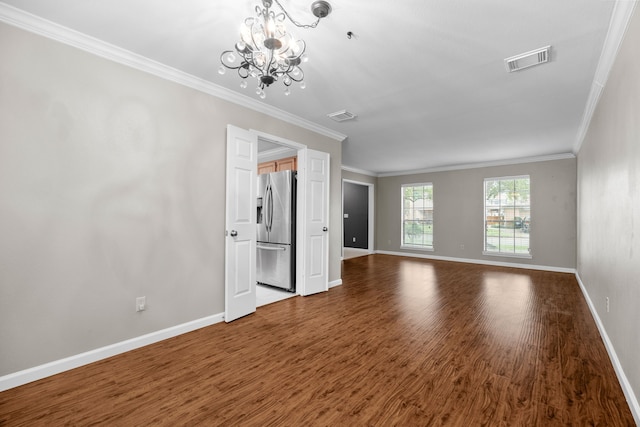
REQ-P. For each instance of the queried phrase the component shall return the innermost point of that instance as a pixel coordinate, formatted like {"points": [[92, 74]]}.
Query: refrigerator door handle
{"points": [[272, 248], [270, 207], [266, 208]]}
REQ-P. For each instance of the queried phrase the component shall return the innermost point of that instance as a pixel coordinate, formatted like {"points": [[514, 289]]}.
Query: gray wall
{"points": [[459, 206], [609, 206], [111, 183]]}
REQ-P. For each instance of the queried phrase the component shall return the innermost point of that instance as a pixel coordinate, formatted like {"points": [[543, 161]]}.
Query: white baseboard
{"points": [[335, 283], [632, 400], [481, 261], [39, 372]]}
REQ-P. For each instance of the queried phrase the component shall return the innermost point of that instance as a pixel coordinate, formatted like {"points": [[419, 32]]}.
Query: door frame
{"points": [[371, 214]]}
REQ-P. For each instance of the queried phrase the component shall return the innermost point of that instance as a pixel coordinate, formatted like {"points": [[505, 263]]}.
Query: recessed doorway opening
{"points": [[274, 157], [358, 218]]}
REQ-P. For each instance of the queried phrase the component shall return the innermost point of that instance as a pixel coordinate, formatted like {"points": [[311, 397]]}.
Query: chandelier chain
{"points": [[296, 23]]}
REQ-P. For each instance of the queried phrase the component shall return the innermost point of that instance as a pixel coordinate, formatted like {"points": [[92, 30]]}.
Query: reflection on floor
{"points": [[353, 252], [266, 295]]}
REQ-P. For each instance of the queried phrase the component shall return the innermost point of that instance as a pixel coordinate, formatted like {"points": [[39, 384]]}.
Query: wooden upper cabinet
{"points": [[288, 163], [266, 167]]}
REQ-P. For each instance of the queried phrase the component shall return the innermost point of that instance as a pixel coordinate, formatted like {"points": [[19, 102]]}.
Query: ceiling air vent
{"points": [[526, 60], [341, 116]]}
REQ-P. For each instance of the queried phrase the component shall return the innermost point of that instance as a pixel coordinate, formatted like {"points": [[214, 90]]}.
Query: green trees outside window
{"points": [[507, 222], [417, 215]]}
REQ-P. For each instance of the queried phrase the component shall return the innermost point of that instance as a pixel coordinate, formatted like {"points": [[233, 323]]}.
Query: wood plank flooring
{"points": [[403, 341]]}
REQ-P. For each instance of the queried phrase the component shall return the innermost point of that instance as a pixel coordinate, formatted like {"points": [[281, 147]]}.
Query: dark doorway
{"points": [[356, 215]]}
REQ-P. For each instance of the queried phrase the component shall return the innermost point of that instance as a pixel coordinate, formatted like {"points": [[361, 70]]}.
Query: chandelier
{"points": [[267, 51]]}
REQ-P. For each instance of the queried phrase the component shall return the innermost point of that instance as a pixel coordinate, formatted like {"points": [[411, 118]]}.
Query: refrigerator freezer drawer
{"points": [[274, 265]]}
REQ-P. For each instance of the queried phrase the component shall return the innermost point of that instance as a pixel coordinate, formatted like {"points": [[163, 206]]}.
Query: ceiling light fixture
{"points": [[268, 51]]}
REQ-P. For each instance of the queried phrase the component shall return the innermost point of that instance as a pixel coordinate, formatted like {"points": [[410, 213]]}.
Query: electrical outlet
{"points": [[462, 247], [141, 303], [607, 304], [354, 239]]}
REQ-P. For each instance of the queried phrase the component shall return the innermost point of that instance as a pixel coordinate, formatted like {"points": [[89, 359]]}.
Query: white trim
{"points": [[32, 23], [505, 162], [622, 378], [360, 171], [506, 178], [620, 17], [507, 254], [481, 261], [52, 368], [278, 140], [335, 283], [417, 248]]}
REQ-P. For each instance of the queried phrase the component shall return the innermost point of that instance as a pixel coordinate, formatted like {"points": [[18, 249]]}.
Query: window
{"points": [[417, 216], [507, 216]]}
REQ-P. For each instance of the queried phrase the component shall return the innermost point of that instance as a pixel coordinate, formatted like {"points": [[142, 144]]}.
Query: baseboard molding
{"points": [[335, 283], [632, 400], [52, 368], [481, 261]]}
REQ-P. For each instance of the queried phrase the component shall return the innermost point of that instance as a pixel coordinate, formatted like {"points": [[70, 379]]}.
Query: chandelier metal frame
{"points": [[267, 51]]}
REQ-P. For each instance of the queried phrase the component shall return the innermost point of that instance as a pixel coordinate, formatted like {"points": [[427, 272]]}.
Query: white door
{"points": [[315, 222], [240, 239]]}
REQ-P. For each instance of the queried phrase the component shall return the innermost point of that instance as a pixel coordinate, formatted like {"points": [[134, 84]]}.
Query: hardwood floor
{"points": [[403, 342]]}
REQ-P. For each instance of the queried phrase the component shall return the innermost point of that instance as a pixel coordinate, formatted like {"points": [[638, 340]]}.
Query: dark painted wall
{"points": [[356, 206]]}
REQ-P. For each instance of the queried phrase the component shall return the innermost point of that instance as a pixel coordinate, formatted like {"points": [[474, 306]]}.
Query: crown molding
{"points": [[506, 162], [34, 24], [360, 171], [620, 17]]}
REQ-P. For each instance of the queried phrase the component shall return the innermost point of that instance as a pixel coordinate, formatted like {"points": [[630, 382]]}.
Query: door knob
{"points": [[324, 228], [233, 233]]}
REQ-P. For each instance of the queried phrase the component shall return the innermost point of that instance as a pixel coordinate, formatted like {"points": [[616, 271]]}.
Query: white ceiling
{"points": [[426, 78]]}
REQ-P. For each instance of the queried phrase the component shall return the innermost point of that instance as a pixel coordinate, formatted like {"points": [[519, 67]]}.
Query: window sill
{"points": [[419, 248], [507, 255]]}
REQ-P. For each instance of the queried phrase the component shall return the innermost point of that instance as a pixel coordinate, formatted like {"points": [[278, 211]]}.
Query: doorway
{"points": [[358, 220], [312, 216], [312, 219], [274, 157]]}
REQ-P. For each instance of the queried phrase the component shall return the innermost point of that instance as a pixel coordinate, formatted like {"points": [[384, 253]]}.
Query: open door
{"points": [[240, 235], [315, 222]]}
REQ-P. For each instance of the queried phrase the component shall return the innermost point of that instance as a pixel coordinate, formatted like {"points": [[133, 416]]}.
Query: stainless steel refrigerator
{"points": [[276, 264]]}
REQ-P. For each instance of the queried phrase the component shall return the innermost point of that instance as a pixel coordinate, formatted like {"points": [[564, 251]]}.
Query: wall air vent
{"points": [[529, 59], [341, 116]]}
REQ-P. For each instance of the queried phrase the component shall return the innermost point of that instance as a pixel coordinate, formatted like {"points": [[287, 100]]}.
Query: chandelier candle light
{"points": [[267, 51]]}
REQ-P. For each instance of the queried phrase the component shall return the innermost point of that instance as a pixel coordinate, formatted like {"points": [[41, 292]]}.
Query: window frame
{"points": [[420, 247], [528, 254]]}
